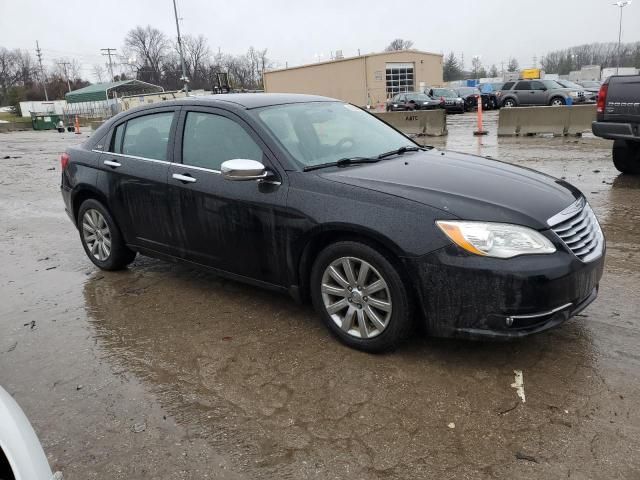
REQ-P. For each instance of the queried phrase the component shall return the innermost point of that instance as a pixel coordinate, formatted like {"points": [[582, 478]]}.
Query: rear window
{"points": [[145, 136]]}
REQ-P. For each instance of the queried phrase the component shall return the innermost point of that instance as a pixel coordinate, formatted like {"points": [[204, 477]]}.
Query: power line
{"points": [[44, 77], [108, 54]]}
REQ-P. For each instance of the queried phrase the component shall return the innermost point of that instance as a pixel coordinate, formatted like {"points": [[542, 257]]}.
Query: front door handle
{"points": [[184, 178], [112, 164]]}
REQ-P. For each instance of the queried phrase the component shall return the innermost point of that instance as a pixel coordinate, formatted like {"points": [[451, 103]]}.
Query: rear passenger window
{"points": [[212, 139], [523, 86], [147, 136]]}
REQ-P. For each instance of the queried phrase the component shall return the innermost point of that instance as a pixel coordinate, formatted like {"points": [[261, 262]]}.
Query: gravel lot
{"points": [[164, 372]]}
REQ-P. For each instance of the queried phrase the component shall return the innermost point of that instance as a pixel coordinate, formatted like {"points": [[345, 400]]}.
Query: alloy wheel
{"points": [[96, 234], [356, 297]]}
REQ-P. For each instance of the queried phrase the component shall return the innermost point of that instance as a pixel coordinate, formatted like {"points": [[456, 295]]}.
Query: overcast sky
{"points": [[297, 31]]}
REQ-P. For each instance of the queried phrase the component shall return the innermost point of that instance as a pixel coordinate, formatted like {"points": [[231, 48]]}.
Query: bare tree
{"points": [[149, 47], [197, 57], [7, 72], [399, 44], [513, 65], [99, 73]]}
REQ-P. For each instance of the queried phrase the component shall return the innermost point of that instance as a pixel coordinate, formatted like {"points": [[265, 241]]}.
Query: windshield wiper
{"points": [[343, 162], [399, 151]]}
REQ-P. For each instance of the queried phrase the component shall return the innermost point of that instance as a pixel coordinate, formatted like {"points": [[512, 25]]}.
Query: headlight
{"points": [[395, 104], [499, 240]]}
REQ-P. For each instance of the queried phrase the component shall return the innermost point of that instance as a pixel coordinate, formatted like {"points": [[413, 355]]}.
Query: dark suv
{"points": [[318, 198], [539, 92]]}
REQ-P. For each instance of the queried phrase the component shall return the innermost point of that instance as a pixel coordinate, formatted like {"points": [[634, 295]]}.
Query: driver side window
{"points": [[209, 140]]}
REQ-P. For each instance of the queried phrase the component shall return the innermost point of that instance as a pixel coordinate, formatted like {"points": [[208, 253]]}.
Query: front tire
{"points": [[509, 103], [360, 297], [626, 156], [101, 237], [557, 102]]}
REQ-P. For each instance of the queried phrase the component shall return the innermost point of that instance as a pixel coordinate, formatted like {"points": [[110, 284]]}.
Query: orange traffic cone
{"points": [[480, 130], [76, 127]]}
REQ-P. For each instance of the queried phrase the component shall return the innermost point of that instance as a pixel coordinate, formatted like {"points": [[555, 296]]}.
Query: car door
{"points": [[235, 226], [524, 93], [133, 174], [539, 93]]}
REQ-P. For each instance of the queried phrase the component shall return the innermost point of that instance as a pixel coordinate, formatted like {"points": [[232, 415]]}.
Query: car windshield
{"points": [[418, 97], [467, 91], [444, 92], [551, 84], [568, 84], [317, 133]]}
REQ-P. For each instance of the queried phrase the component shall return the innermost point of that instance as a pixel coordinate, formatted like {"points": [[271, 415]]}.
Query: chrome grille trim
{"points": [[578, 227]]}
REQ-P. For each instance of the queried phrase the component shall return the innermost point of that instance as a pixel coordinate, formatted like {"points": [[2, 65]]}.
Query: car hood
{"points": [[465, 186]]}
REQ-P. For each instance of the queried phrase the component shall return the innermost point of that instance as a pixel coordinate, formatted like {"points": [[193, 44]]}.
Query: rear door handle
{"points": [[184, 178], [111, 163]]}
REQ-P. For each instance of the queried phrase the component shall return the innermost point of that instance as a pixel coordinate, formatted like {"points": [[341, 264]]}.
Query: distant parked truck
{"points": [[532, 74], [618, 119]]}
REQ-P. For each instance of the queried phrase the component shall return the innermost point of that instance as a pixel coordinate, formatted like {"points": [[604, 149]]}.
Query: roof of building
{"points": [[348, 59], [103, 91]]}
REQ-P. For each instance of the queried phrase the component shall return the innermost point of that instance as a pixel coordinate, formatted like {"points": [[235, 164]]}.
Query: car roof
{"points": [[248, 101]]}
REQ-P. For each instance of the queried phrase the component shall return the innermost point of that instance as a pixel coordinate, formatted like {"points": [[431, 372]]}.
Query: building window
{"points": [[399, 78]]}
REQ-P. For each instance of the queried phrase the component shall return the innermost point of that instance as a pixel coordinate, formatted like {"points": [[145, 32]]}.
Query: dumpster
{"points": [[44, 121]]}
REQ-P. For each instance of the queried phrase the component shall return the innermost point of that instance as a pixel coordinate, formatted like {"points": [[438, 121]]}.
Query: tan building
{"points": [[363, 80]]}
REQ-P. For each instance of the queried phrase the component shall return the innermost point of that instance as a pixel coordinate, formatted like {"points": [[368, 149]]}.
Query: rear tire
{"points": [[626, 156], [371, 311], [101, 237]]}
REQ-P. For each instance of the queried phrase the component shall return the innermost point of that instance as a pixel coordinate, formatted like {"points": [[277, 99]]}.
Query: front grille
{"points": [[578, 227]]}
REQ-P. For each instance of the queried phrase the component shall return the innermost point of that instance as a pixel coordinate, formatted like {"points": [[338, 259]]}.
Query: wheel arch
{"points": [[86, 192], [320, 238]]}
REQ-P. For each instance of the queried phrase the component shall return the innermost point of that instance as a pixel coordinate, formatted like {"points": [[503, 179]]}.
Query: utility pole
{"points": [[44, 77], [184, 68], [66, 74], [620, 5], [108, 54]]}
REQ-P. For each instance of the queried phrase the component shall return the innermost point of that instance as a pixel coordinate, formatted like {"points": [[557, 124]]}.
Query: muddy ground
{"points": [[164, 372]]}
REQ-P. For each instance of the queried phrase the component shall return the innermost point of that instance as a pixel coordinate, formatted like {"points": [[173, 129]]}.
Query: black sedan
{"points": [[470, 96], [318, 198], [452, 101], [413, 101]]}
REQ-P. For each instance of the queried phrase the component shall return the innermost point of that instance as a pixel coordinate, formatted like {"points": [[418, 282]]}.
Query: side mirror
{"points": [[240, 169]]}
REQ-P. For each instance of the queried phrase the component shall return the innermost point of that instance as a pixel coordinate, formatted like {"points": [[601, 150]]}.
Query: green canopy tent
{"points": [[105, 91]]}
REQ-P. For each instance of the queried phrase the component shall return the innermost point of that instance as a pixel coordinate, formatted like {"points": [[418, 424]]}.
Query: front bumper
{"points": [[478, 297]]}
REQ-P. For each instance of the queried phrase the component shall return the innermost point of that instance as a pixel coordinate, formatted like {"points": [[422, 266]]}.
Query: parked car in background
{"points": [[539, 92], [413, 101], [493, 90], [452, 101], [318, 198], [21, 455], [470, 96], [618, 119], [590, 96]]}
